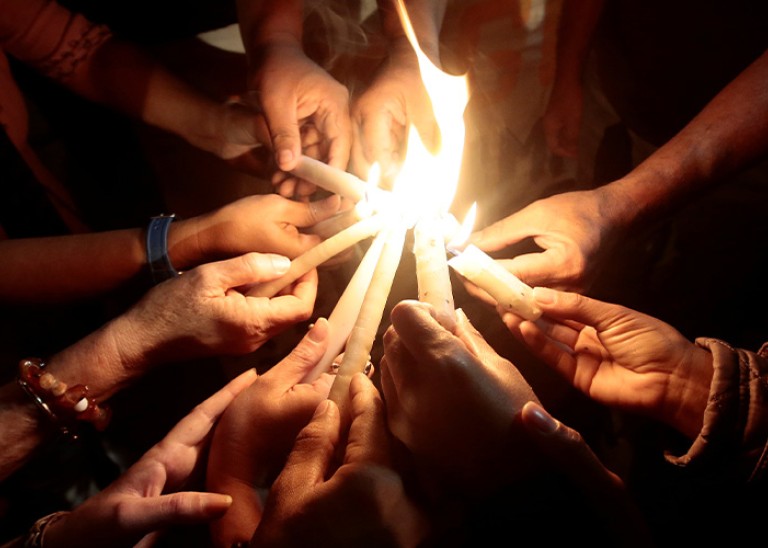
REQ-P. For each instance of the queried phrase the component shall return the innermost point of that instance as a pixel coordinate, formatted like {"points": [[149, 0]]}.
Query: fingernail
{"points": [[544, 295], [284, 157], [322, 408], [280, 264], [319, 330], [541, 419]]}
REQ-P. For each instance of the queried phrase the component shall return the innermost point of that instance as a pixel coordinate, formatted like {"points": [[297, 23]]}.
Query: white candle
{"points": [[509, 291], [319, 254], [358, 349], [432, 275], [330, 178], [345, 313], [341, 182]]}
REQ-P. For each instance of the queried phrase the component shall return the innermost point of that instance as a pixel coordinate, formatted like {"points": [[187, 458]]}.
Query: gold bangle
{"points": [[36, 534]]}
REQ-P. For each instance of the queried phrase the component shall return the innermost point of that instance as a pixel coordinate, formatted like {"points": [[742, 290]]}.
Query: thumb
{"points": [[304, 357], [502, 233], [309, 214], [144, 515], [313, 452], [285, 135]]}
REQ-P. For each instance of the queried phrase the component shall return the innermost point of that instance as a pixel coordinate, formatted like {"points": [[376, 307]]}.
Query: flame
{"points": [[427, 181], [460, 239]]}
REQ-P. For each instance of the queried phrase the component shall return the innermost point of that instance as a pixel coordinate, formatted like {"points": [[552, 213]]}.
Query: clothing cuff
{"points": [[732, 443]]}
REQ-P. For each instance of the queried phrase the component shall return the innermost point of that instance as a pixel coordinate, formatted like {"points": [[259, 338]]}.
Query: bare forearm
{"points": [[729, 134], [578, 20], [263, 22], [66, 268]]}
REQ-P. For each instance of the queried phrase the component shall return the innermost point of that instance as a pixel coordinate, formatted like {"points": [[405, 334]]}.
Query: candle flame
{"points": [[427, 180], [460, 239]]}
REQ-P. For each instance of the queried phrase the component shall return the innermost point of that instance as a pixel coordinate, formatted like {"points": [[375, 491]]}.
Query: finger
{"points": [[575, 307], [249, 268], [309, 214], [193, 428], [286, 187], [535, 269], [337, 128], [471, 337], [283, 129], [503, 233], [557, 355], [565, 447], [367, 441], [294, 304], [304, 356], [313, 452], [144, 515], [420, 332], [376, 135]]}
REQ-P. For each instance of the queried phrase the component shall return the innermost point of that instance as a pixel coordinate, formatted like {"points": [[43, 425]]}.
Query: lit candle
{"points": [[319, 254], [339, 182], [432, 275], [358, 348], [509, 291], [345, 313]]}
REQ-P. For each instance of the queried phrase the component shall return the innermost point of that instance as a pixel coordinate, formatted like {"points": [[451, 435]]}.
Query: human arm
{"points": [[194, 315], [568, 453], [294, 92], [574, 229], [562, 118], [92, 62], [396, 98], [709, 391], [92, 264], [151, 495], [358, 502], [255, 435], [452, 400]]}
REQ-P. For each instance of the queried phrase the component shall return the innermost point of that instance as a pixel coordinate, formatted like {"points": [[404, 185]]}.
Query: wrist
{"points": [[688, 392]]}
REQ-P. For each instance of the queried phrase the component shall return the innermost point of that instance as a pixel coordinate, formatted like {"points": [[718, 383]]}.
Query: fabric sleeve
{"points": [[733, 442], [48, 37]]}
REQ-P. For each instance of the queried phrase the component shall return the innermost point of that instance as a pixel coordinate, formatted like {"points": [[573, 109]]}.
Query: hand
{"points": [[383, 113], [295, 92], [256, 433], [237, 132], [360, 503], [620, 357], [201, 313], [572, 229], [147, 499], [263, 223], [452, 400], [562, 120], [567, 452]]}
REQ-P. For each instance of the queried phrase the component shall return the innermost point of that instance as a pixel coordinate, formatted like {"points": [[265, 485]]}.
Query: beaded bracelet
{"points": [[63, 405]]}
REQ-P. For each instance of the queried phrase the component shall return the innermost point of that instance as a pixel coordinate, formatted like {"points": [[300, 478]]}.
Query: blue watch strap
{"points": [[160, 267]]}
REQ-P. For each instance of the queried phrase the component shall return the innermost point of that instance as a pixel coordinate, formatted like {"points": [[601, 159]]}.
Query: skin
{"points": [[361, 501], [269, 224], [150, 495], [452, 400], [575, 229], [303, 105], [125, 77], [256, 433], [620, 357], [396, 98], [193, 315]]}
